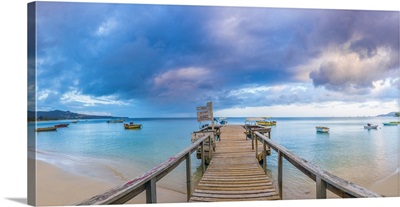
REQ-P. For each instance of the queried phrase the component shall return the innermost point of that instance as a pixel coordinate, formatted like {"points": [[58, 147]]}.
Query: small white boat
{"points": [[370, 126], [322, 129]]}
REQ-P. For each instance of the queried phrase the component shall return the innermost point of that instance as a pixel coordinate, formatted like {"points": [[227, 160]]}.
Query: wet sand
{"points": [[388, 187], [57, 187]]}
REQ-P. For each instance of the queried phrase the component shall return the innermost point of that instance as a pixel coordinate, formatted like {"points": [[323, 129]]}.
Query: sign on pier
{"points": [[201, 108], [205, 113]]}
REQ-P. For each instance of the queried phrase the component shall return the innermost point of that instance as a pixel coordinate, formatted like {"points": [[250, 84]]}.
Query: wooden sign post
{"points": [[205, 113]]}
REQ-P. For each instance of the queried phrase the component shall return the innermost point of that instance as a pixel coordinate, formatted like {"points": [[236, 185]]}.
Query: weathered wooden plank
{"points": [[237, 185], [206, 199], [248, 177], [236, 192], [232, 167], [231, 185], [234, 178], [231, 162], [235, 188], [229, 196], [233, 172]]}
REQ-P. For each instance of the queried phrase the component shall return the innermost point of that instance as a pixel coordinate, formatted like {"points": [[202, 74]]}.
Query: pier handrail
{"points": [[147, 181], [324, 180]]}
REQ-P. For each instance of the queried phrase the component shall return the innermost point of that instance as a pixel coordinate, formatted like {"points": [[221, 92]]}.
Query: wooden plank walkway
{"points": [[234, 173]]}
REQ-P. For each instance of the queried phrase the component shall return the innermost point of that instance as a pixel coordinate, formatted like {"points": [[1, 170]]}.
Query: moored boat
{"points": [[390, 124], [45, 129], [115, 121], [221, 120], [61, 125], [322, 129], [370, 126], [252, 121], [266, 122], [132, 126]]}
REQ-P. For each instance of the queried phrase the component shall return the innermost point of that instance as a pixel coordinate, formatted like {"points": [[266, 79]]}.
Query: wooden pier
{"points": [[234, 173]]}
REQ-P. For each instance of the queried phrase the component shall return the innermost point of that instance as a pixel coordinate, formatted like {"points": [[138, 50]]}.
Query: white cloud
{"points": [[86, 100], [99, 113], [298, 88], [327, 109], [183, 74], [106, 27], [44, 94], [247, 90]]}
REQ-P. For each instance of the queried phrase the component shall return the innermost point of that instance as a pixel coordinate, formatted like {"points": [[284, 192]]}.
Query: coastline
{"points": [[56, 187], [389, 186]]}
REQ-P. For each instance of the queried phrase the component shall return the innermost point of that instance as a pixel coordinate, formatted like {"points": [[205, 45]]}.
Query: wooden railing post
{"points": [[209, 147], [151, 191], [269, 137], [188, 176], [203, 162], [265, 156], [256, 140], [280, 171], [252, 139], [321, 188]]}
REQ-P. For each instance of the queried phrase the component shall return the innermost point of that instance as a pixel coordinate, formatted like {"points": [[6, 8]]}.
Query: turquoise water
{"points": [[108, 152]]}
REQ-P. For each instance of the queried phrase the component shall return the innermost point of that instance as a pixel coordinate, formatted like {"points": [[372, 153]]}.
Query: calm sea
{"points": [[106, 151]]}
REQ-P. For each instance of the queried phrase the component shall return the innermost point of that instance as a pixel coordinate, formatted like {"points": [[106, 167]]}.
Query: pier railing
{"points": [[323, 179], [148, 180]]}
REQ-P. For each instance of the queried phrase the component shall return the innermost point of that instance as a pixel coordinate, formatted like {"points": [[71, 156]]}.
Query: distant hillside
{"points": [[390, 114], [58, 114]]}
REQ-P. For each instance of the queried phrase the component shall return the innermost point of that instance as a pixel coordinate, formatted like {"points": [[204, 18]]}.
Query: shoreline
{"points": [[56, 187]]}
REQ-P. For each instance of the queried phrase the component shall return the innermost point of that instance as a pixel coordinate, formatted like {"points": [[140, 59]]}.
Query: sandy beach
{"points": [[388, 187], [57, 187]]}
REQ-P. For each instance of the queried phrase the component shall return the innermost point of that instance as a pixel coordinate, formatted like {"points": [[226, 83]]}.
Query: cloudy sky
{"points": [[163, 61]]}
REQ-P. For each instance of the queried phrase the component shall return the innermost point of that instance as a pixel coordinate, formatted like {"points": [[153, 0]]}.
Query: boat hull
{"points": [[132, 126], [390, 124], [266, 123], [46, 129], [115, 121], [371, 127], [61, 125], [321, 129]]}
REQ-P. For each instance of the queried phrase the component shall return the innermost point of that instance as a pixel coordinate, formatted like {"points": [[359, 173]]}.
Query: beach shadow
{"points": [[19, 200]]}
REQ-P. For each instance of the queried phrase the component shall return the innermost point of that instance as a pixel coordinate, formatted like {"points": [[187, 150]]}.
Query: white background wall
{"points": [[13, 79]]}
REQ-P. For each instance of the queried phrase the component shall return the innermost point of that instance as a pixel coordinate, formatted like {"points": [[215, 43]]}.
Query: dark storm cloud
{"points": [[373, 37]]}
